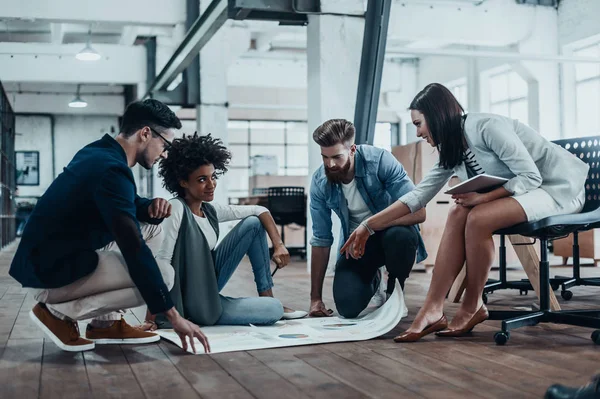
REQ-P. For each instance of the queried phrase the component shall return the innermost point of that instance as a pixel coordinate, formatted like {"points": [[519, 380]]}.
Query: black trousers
{"points": [[356, 280]]}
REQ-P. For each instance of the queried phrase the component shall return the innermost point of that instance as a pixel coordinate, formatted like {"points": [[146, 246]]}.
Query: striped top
{"points": [[473, 167]]}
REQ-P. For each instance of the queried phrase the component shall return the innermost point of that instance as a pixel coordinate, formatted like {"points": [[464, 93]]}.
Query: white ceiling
{"points": [[56, 27]]}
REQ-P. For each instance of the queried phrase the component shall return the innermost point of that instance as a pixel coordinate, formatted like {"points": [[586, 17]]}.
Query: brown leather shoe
{"points": [[415, 336], [120, 333], [64, 333], [479, 317]]}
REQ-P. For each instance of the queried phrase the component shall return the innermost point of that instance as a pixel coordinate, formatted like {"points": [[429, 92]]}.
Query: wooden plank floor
{"points": [[535, 357]]}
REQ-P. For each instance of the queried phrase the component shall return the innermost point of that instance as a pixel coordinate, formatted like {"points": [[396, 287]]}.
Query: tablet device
{"points": [[479, 184]]}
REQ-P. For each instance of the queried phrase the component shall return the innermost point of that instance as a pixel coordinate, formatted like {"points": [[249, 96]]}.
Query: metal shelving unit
{"points": [[7, 170]]}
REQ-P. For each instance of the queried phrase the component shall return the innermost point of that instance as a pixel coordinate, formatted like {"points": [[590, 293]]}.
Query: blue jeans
{"points": [[247, 237]]}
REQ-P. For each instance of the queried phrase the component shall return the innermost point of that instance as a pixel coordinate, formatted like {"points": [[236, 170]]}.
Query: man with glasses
{"points": [[87, 249], [167, 144]]}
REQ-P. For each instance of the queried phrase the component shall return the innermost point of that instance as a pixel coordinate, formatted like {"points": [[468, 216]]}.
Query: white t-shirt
{"points": [[357, 207], [225, 213]]}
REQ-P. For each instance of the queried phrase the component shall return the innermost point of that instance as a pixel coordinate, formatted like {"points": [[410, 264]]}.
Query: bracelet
{"points": [[366, 225]]}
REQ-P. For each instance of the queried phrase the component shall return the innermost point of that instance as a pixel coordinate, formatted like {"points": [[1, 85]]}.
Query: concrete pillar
{"points": [[211, 115], [543, 77], [400, 100], [334, 53], [165, 47], [473, 86]]}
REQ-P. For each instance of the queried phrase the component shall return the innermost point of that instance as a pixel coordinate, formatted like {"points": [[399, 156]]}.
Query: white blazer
{"points": [[507, 148]]}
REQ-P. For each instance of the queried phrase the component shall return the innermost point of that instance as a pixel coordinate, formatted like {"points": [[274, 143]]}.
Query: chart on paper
{"points": [[301, 332]]}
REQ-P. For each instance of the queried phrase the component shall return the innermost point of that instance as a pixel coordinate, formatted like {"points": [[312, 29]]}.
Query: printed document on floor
{"points": [[308, 331]]}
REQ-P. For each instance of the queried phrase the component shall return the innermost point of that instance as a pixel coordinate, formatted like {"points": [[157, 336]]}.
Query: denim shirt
{"points": [[380, 179]]}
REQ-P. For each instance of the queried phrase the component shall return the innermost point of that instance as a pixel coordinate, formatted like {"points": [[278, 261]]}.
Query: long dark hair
{"points": [[443, 115]]}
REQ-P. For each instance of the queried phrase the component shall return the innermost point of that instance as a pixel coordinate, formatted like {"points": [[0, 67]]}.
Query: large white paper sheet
{"points": [[301, 332]]}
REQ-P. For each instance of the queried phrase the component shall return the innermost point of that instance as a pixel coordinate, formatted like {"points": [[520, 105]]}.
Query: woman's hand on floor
{"points": [[281, 256]]}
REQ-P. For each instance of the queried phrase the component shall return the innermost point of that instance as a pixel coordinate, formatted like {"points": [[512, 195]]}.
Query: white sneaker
{"points": [[380, 296], [296, 314]]}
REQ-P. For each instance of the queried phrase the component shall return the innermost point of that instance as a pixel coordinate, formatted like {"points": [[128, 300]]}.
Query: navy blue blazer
{"points": [[90, 204]]}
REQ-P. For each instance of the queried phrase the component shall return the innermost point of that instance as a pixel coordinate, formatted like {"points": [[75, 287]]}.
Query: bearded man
{"points": [[356, 182]]}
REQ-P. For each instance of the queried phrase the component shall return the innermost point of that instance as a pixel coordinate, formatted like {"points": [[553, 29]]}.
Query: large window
{"points": [[284, 142], [386, 135], [281, 147], [459, 89], [508, 95], [587, 92]]}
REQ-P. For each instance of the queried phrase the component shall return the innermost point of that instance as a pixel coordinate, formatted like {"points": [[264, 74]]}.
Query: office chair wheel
{"points": [[566, 295], [555, 286], [502, 337], [523, 292], [485, 298]]}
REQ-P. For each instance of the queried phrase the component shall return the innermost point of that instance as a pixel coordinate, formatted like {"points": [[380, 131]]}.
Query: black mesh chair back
{"points": [[287, 205], [588, 150]]}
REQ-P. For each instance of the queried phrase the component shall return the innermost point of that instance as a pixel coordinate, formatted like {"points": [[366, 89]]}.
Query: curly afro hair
{"points": [[188, 154]]}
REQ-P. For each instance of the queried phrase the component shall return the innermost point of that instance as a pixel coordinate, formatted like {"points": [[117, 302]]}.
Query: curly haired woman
{"points": [[202, 268]]}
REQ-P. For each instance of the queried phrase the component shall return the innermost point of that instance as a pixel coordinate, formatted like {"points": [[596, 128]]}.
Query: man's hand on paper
{"points": [[186, 329], [356, 243]]}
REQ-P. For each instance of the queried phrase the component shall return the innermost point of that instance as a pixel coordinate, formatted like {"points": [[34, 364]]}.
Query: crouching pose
{"points": [[356, 182], [84, 252]]}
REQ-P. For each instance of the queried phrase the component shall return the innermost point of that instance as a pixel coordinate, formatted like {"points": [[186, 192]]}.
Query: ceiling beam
{"points": [[59, 104], [34, 62], [57, 33], [130, 12], [503, 55], [129, 34], [202, 30], [493, 23]]}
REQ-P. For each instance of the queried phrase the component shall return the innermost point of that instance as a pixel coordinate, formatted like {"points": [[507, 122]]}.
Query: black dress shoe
{"points": [[589, 391]]}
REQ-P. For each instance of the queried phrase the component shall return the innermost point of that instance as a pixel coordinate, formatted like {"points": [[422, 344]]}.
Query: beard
{"points": [[338, 175]]}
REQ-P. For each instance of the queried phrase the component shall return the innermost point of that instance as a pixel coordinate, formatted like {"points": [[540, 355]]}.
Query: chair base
{"points": [[569, 282], [493, 285], [512, 319], [523, 285]]}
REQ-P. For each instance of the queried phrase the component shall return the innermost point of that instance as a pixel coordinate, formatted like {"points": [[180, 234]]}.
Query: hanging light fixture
{"points": [[77, 102], [88, 53]]}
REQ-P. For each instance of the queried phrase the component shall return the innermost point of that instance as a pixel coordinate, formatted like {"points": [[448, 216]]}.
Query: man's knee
{"points": [[347, 302], [348, 307], [151, 231], [400, 237], [167, 272]]}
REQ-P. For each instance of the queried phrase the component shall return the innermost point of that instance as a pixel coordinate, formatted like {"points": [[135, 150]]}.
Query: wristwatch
{"points": [[370, 230]]}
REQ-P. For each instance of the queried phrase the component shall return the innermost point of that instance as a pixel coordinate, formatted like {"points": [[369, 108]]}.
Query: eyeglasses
{"points": [[168, 144]]}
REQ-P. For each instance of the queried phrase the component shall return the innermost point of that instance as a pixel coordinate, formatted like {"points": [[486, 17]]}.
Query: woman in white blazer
{"points": [[544, 180]]}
